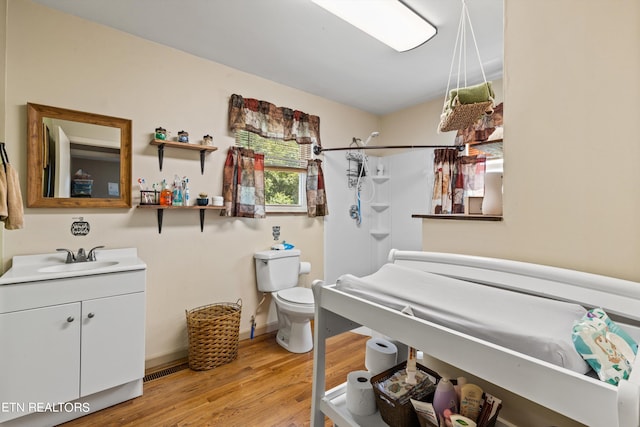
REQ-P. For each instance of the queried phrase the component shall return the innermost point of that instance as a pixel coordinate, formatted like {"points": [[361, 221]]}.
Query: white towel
{"points": [[4, 210], [13, 198]]}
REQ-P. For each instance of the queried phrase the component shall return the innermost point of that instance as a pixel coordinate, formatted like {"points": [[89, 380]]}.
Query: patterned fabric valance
{"points": [[273, 122]]}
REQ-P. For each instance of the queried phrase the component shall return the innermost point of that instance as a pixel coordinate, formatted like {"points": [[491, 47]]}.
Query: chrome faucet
{"points": [[92, 253], [81, 256], [70, 256]]}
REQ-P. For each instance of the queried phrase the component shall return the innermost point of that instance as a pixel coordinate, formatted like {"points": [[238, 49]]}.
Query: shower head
{"points": [[373, 135]]}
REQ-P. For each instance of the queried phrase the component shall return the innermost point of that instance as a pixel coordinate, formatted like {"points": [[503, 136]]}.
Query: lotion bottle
{"points": [[445, 398], [470, 401], [187, 196]]}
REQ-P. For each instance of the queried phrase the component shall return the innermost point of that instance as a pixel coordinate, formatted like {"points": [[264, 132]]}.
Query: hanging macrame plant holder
{"points": [[463, 106]]}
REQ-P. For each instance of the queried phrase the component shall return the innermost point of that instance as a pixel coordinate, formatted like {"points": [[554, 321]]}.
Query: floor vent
{"points": [[165, 372]]}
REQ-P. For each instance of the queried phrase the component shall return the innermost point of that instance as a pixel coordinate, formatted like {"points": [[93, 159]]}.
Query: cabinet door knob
{"points": [[90, 315], [70, 319]]}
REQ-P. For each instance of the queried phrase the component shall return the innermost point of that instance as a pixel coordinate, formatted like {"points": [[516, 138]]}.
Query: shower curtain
{"points": [[243, 184]]}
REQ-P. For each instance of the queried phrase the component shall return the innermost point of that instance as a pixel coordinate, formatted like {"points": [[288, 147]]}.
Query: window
{"points": [[285, 167]]}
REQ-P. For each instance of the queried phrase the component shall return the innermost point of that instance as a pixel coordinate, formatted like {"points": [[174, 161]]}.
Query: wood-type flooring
{"points": [[265, 386]]}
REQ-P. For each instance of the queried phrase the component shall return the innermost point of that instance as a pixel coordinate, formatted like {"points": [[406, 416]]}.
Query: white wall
{"points": [[411, 182], [570, 171], [60, 60], [348, 246]]}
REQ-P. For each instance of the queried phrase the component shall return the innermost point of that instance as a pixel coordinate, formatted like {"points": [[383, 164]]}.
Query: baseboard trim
{"points": [[180, 356]]}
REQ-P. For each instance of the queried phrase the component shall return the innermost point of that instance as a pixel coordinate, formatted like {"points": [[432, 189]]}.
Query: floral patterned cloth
{"points": [[243, 184], [456, 177], [481, 129], [316, 196], [273, 122]]}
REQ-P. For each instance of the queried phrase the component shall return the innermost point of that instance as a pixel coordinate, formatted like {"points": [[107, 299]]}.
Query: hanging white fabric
{"points": [[464, 105]]}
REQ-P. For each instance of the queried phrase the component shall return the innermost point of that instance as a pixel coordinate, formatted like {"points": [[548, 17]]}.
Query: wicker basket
{"points": [[213, 334], [426, 423], [400, 412], [461, 116]]}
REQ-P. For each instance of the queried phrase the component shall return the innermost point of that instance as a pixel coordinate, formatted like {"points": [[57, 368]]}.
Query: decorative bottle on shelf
{"points": [[187, 196], [165, 195], [177, 196]]}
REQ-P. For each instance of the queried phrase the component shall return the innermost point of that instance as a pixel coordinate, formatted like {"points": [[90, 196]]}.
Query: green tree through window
{"points": [[285, 169]]}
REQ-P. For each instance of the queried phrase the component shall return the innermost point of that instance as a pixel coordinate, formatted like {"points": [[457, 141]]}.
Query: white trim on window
{"points": [[302, 196]]}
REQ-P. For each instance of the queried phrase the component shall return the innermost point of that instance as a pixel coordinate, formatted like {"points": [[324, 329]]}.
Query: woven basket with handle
{"points": [[214, 331]]}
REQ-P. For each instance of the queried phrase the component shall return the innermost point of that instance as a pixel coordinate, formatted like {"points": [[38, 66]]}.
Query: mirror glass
{"points": [[77, 159]]}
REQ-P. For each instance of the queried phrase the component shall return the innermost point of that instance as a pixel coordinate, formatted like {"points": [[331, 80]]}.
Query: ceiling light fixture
{"points": [[390, 21]]}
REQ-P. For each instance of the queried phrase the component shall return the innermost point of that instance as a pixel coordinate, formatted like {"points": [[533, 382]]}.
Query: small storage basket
{"points": [[213, 334], [399, 412], [149, 197]]}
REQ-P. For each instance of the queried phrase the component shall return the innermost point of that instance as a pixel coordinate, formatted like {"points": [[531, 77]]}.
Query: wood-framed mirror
{"points": [[77, 159]]}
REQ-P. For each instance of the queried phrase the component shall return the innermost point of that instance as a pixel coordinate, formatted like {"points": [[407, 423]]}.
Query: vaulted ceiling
{"points": [[299, 44]]}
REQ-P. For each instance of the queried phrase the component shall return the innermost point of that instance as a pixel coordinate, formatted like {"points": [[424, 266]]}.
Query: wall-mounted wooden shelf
{"points": [[161, 209], [461, 217], [203, 149], [493, 149]]}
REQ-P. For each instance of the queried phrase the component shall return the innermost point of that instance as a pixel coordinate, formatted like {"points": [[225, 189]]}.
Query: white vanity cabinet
{"points": [[112, 334], [40, 355], [75, 342]]}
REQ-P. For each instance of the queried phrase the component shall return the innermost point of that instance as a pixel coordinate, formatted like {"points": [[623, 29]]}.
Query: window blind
{"points": [[277, 153]]}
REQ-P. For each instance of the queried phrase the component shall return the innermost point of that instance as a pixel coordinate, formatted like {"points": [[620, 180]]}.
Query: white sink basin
{"points": [[79, 266], [35, 268]]}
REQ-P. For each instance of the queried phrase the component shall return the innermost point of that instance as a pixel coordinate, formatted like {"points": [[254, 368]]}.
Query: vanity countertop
{"points": [[34, 268]]}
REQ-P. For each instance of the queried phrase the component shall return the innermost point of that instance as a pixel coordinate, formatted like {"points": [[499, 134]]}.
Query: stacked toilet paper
{"points": [[380, 355], [360, 397]]}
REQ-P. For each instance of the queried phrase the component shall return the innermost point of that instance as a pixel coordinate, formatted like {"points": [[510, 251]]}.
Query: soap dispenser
{"points": [[165, 194]]}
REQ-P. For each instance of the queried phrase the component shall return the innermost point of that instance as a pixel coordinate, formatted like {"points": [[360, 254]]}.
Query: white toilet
{"points": [[277, 273]]}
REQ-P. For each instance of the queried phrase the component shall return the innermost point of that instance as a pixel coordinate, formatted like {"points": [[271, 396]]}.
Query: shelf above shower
{"points": [[379, 233], [379, 207], [379, 178], [463, 217]]}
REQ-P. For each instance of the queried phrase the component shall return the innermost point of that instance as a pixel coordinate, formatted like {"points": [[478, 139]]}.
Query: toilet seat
{"points": [[297, 295]]}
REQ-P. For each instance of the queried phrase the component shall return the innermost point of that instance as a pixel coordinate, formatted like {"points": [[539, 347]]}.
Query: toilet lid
{"points": [[298, 295]]}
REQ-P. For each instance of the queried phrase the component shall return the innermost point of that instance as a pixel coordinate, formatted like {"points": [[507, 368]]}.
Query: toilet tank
{"points": [[276, 270]]}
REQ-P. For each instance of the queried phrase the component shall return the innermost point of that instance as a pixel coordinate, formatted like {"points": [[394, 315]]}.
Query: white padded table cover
{"points": [[531, 325]]}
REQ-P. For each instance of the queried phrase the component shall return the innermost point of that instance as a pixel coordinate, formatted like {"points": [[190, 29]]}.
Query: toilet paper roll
{"points": [[360, 397], [380, 355], [403, 350], [305, 268]]}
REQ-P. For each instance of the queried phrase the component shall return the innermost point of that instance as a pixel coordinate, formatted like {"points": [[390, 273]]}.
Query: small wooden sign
{"points": [[80, 228]]}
